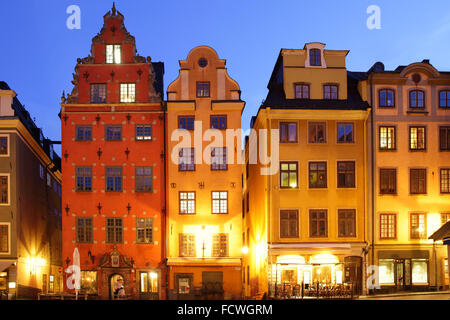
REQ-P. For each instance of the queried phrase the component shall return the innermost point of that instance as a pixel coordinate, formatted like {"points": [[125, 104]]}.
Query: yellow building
{"points": [[306, 222], [204, 185], [411, 169]]}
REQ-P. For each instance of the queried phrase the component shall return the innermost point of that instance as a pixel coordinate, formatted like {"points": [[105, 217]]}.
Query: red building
{"points": [[113, 194]]}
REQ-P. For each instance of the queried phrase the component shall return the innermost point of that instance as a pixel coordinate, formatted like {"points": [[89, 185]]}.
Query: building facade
{"points": [[113, 163], [410, 166], [30, 204], [305, 221], [204, 185]]}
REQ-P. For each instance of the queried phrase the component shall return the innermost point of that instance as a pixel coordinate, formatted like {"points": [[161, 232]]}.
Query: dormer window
{"points": [[301, 91], [113, 53], [330, 92], [315, 57], [417, 99]]}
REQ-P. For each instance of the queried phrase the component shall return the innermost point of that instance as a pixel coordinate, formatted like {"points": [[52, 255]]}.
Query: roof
{"points": [[442, 232]]}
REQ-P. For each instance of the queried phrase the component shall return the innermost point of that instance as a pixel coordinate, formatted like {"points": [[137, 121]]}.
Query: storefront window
{"points": [[149, 282], [183, 286], [89, 282], [419, 271], [386, 271], [3, 278]]}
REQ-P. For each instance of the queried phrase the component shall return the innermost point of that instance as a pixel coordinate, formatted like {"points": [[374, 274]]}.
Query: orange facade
{"points": [[113, 168]]}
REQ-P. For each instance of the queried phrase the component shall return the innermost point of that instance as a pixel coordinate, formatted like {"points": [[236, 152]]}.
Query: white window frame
{"points": [[7, 145], [9, 189], [9, 237], [115, 55]]}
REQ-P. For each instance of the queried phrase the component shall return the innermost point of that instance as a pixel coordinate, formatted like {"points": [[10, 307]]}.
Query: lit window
{"points": [[445, 180], [386, 271], [127, 92], [202, 89], [317, 132], [345, 132], [288, 175], [315, 57], [148, 282], [113, 53], [187, 245], [418, 228], [4, 238], [388, 226], [387, 138], [144, 230], [89, 282], [417, 138], [219, 201], [330, 92], [419, 271], [317, 174], [143, 132], [187, 202], [220, 245], [301, 91]]}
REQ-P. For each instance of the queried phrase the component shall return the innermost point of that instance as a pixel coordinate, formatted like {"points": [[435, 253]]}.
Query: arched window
{"points": [[314, 57], [386, 98], [417, 99]]}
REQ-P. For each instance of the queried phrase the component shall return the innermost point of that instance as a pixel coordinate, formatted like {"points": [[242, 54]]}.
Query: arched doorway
{"points": [[115, 281]]}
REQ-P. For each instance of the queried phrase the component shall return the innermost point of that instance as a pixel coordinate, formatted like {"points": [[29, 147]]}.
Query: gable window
{"points": [[445, 180], [388, 226], [417, 138], [83, 178], [84, 133], [220, 245], [288, 175], [345, 132], [346, 174], [113, 53], [330, 92], [186, 122], [186, 159], [301, 91], [347, 223], [444, 138], [317, 132], [114, 230], [113, 133], [418, 181], [318, 223], [187, 245], [386, 98], [187, 202], [315, 57], [127, 92], [288, 132], [4, 238], [202, 89], [317, 174], [84, 230], [143, 132], [219, 159], [444, 99], [387, 138], [4, 146], [4, 186], [144, 179], [289, 224], [418, 226], [113, 179], [144, 230], [98, 92], [219, 122], [417, 99], [219, 202], [388, 181]]}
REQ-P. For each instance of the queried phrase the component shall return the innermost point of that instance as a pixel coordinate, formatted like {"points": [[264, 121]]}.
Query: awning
{"points": [[442, 232], [5, 264]]}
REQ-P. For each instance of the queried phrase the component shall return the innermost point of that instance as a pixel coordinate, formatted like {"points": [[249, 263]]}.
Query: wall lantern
{"points": [[244, 250]]}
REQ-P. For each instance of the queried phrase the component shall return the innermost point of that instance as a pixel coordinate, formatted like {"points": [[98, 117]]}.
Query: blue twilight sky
{"points": [[38, 53]]}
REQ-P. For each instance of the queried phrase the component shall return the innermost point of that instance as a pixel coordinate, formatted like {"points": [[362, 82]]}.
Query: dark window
{"points": [[315, 57], [417, 138], [186, 122], [346, 174], [98, 92], [186, 159], [347, 222], [220, 245], [83, 178], [202, 89], [219, 202], [444, 138], [219, 159], [318, 223], [288, 175], [418, 226], [144, 179], [143, 132], [288, 223], [445, 217], [4, 238], [113, 132], [317, 132], [84, 230], [219, 122], [301, 91], [3, 145], [4, 198], [114, 230], [388, 181], [144, 230], [386, 98], [418, 181], [187, 202], [345, 132], [445, 180], [288, 132], [113, 179], [187, 245], [330, 92], [444, 99], [84, 133], [387, 138], [417, 99], [317, 174], [388, 226]]}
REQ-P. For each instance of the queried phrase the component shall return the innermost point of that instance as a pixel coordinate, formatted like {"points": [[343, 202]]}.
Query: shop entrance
{"points": [[116, 287], [403, 274]]}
